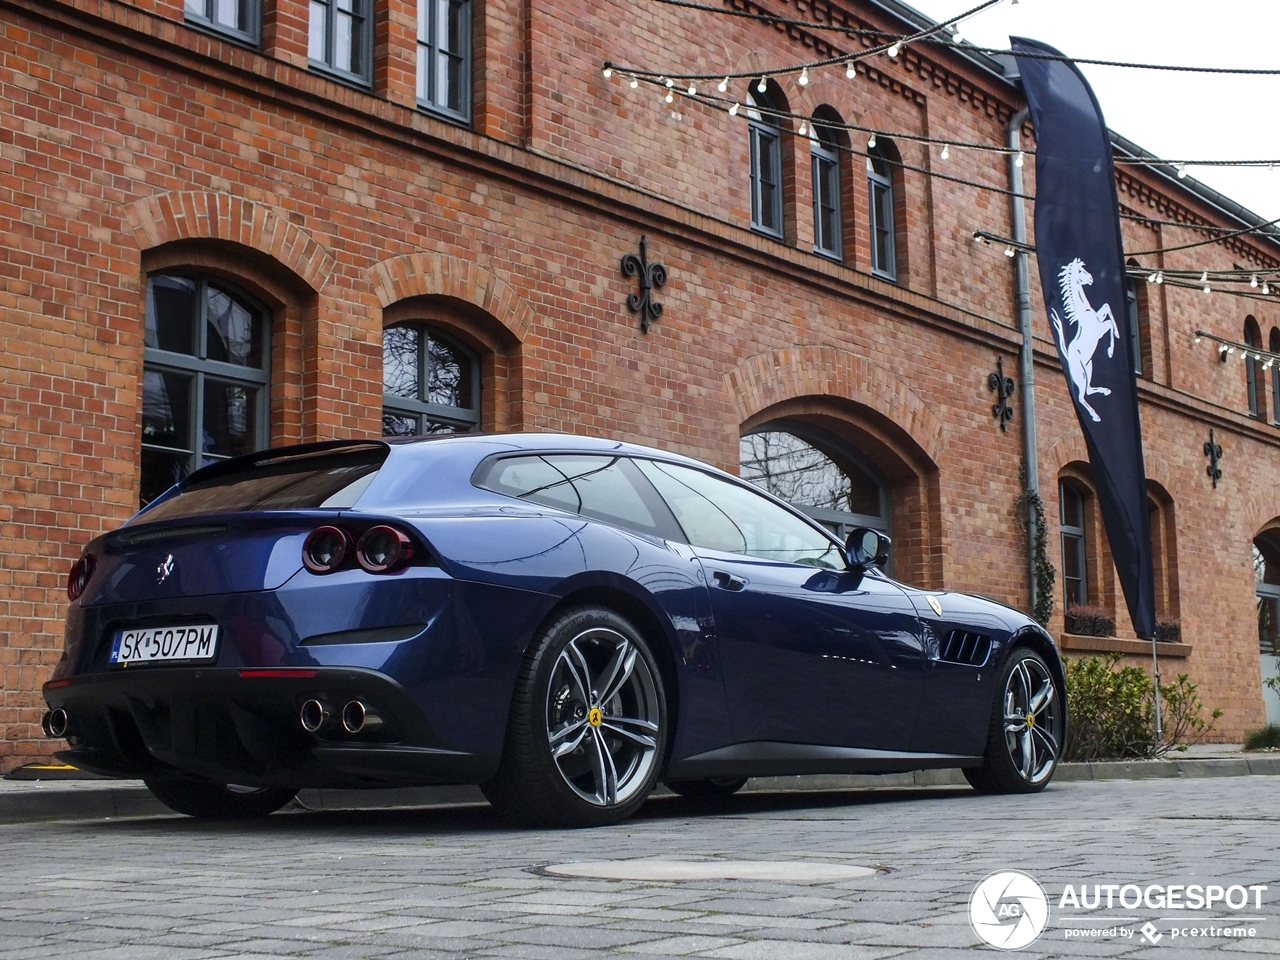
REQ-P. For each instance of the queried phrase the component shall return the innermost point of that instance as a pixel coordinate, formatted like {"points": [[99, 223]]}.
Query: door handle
{"points": [[728, 581]]}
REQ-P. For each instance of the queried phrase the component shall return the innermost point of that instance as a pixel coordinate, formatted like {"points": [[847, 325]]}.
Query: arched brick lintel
{"points": [[770, 378], [1072, 450], [435, 274], [168, 217]]}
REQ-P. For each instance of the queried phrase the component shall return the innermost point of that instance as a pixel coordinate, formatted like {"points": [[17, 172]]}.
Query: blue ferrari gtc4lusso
{"points": [[563, 621]]}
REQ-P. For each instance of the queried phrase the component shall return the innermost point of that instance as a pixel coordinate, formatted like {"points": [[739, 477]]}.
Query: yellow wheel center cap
{"points": [[594, 716], [1031, 720]]}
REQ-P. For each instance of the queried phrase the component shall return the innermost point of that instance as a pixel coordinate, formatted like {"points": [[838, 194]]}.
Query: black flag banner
{"points": [[1082, 273]]}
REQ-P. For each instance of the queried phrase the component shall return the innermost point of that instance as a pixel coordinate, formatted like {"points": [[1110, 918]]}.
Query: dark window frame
{"points": [[464, 419], [827, 192], [880, 184], [204, 21], [1133, 317], [1252, 369], [1067, 488], [428, 49], [765, 135], [1275, 377], [200, 368], [364, 11]]}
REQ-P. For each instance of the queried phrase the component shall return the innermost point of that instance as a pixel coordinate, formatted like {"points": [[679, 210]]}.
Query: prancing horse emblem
{"points": [[1091, 326], [165, 568]]}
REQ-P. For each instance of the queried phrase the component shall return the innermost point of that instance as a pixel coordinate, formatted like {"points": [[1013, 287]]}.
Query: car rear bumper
{"points": [[242, 726]]}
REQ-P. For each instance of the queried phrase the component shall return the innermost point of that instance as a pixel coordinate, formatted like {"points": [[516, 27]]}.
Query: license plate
{"points": [[189, 642]]}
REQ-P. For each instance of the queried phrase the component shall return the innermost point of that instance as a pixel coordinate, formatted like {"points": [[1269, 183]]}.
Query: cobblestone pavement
{"points": [[458, 883]]}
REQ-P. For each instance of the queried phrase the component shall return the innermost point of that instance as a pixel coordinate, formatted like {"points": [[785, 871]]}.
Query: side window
{"points": [[238, 19], [444, 57], [601, 488], [723, 516]]}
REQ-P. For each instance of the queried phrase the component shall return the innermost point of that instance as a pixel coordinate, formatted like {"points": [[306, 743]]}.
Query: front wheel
{"points": [[588, 725], [207, 800], [1027, 731]]}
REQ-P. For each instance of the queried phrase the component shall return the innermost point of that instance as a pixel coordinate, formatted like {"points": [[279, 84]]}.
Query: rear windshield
{"points": [[325, 478]]}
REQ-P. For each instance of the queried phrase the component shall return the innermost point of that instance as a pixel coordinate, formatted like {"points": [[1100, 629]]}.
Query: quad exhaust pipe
{"points": [[355, 717], [54, 723]]}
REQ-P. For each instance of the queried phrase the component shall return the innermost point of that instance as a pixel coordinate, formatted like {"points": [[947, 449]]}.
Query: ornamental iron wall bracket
{"points": [[1004, 387], [1214, 452], [651, 276]]}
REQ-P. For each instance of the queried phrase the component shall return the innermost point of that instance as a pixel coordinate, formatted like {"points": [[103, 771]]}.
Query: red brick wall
{"points": [[131, 143]]}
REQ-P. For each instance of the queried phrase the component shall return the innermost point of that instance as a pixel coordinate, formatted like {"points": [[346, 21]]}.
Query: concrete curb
{"points": [[32, 801]]}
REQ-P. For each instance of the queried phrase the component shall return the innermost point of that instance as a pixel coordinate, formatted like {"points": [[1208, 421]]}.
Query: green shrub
{"points": [[1268, 738], [1111, 712]]}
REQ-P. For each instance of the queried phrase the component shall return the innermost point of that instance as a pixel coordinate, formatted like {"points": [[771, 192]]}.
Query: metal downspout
{"points": [[1022, 302]]}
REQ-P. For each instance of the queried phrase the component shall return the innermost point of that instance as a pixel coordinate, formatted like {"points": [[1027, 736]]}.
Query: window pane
{"points": [[318, 41], [424, 65], [536, 480], [400, 361], [343, 43], [398, 425], [449, 380], [160, 471], [166, 409], [1269, 626], [233, 331], [1073, 569], [171, 314], [605, 491], [229, 13], [795, 471], [196, 7], [229, 418], [1072, 507], [719, 515]]}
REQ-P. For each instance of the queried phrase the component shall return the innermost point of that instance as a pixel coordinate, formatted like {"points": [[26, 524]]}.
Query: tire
{"points": [[1024, 741], [715, 788], [207, 800], [572, 757]]}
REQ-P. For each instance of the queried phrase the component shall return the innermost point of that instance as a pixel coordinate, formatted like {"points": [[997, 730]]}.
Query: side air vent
{"points": [[959, 646]]}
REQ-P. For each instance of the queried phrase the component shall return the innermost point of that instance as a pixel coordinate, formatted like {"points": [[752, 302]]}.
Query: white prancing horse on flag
{"points": [[1077, 220]]}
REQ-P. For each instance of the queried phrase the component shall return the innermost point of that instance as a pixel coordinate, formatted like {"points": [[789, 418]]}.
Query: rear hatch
{"points": [[235, 527]]}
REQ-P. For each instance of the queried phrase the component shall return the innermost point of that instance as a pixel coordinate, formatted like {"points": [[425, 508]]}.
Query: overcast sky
{"points": [[1173, 115]]}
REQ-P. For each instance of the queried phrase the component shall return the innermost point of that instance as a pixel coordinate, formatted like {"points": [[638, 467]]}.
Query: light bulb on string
{"points": [[608, 71], [635, 82], [946, 152], [1197, 339], [1265, 287], [1151, 278], [894, 50], [1253, 281], [669, 83], [956, 36], [1159, 276], [804, 128], [669, 97], [762, 86], [1206, 289], [871, 142], [804, 77], [1021, 158], [723, 85], [733, 111], [693, 90], [849, 70], [1009, 251], [1182, 170]]}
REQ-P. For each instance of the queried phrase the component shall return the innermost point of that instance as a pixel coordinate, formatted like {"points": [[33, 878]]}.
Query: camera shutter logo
{"points": [[1008, 910]]}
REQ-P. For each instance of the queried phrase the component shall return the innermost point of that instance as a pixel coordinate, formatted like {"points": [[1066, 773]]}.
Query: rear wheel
{"points": [[588, 724], [715, 788], [1026, 735], [216, 801]]}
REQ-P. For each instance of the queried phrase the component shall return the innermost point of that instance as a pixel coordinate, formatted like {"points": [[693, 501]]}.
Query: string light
{"points": [[804, 77], [849, 71], [871, 142], [893, 50], [723, 85], [608, 71], [1151, 278], [804, 128], [635, 82], [1009, 251], [762, 86], [1159, 276], [1182, 170], [1253, 281], [946, 152], [670, 96], [670, 83], [733, 111], [1020, 160]]}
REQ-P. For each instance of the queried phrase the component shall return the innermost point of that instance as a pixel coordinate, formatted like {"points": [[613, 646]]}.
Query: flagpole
{"points": [[1155, 669]]}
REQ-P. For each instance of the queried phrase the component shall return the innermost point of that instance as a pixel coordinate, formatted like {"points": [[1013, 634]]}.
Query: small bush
{"points": [[1089, 621], [1111, 712], [1268, 738]]}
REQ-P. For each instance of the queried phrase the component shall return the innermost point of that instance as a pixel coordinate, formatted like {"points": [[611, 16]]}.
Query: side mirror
{"points": [[866, 548]]}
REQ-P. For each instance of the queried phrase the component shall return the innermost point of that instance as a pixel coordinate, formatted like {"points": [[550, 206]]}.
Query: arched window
{"points": [[430, 382], [1135, 311], [205, 377], [1253, 369], [1266, 570], [1075, 554], [821, 476], [1275, 376], [1164, 555], [884, 233], [766, 163], [828, 238]]}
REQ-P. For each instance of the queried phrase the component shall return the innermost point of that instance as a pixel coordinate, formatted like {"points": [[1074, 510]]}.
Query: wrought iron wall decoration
{"points": [[651, 276], [1003, 386], [1214, 452]]}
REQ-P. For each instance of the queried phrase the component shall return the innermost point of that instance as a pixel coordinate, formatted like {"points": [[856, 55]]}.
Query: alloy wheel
{"points": [[603, 717], [1031, 720]]}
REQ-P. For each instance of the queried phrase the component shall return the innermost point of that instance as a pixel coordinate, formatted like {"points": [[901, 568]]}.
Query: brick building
{"points": [[211, 213]]}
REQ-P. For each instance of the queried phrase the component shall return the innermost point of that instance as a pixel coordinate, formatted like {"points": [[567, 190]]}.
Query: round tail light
{"points": [[79, 576], [383, 549], [325, 549]]}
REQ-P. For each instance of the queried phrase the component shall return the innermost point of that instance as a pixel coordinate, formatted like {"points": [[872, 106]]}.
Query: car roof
{"points": [[541, 442]]}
